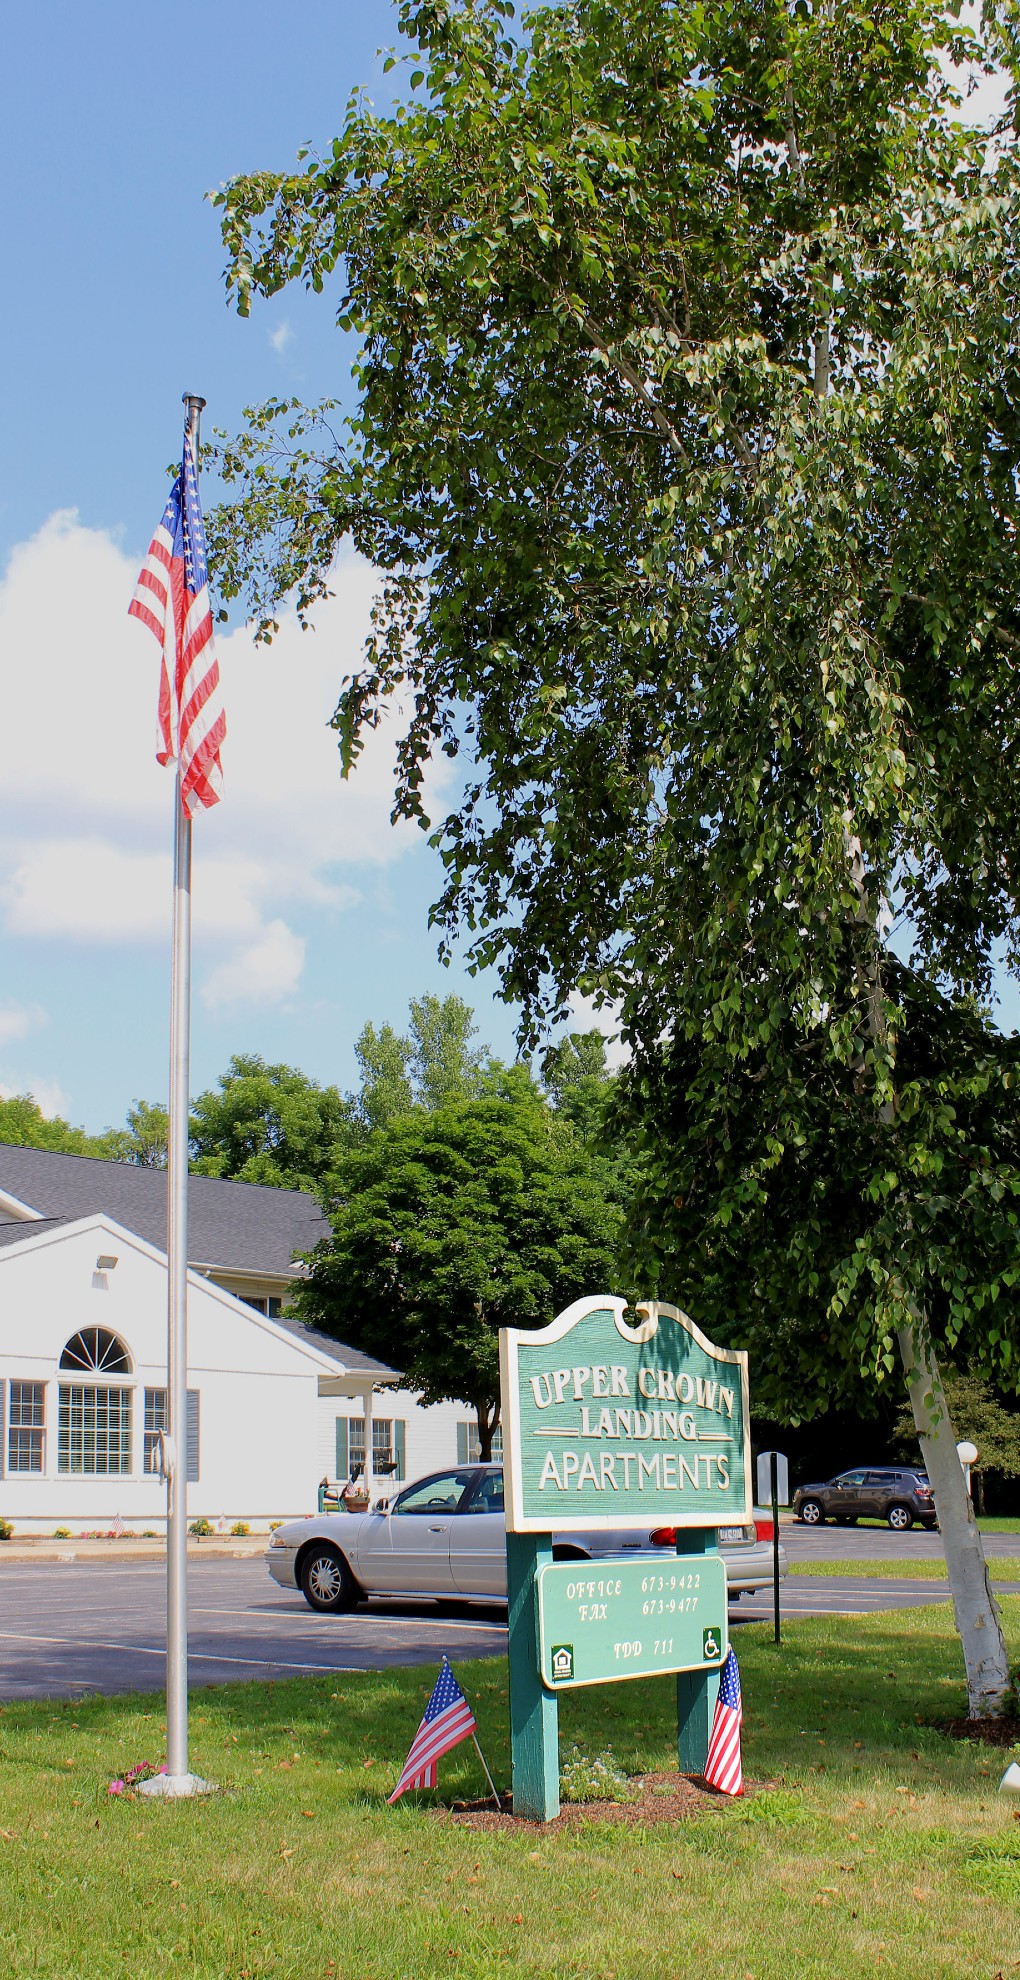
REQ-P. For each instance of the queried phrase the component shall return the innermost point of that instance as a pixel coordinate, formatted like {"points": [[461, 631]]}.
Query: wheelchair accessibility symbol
{"points": [[711, 1645]]}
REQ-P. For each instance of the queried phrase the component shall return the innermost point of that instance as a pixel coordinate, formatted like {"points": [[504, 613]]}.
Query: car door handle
{"points": [[437, 1529]]}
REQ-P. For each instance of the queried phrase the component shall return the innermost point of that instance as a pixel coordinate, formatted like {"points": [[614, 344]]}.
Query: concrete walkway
{"points": [[221, 1547]]}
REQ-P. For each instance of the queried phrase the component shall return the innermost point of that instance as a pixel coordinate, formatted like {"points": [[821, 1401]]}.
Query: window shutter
{"points": [[399, 1446], [3, 1432], [342, 1467], [191, 1437], [462, 1442]]}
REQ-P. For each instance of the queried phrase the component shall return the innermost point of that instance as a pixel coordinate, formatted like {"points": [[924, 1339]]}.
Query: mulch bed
{"points": [[657, 1798], [990, 1732]]}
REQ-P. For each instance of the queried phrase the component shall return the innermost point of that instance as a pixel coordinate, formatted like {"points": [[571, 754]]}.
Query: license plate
{"points": [[731, 1532]]}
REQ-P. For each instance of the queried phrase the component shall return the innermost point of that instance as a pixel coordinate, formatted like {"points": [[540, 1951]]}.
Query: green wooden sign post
{"points": [[616, 1425]]}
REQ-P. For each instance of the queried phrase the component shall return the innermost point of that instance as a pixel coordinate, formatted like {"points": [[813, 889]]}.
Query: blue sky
{"points": [[311, 914]]}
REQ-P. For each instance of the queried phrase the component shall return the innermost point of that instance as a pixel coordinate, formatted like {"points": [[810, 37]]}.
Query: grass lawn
{"points": [[995, 1523], [881, 1847], [1001, 1567]]}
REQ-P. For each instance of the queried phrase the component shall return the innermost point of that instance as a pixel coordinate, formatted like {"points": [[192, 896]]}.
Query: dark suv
{"points": [[893, 1493]]}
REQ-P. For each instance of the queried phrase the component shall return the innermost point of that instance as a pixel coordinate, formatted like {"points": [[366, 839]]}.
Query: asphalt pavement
{"points": [[877, 1543], [71, 1627]]}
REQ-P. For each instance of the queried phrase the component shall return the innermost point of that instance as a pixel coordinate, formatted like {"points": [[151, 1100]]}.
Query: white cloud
{"points": [[587, 1016], [281, 337], [86, 813], [267, 971], [48, 1094], [17, 1020]]}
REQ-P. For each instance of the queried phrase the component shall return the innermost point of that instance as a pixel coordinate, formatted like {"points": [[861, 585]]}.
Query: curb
{"points": [[238, 1549]]}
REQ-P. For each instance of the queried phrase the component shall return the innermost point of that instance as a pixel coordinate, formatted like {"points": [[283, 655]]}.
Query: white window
{"points": [[468, 1447], [93, 1428], [26, 1426], [94, 1419], [96, 1349], [156, 1419], [387, 1446]]}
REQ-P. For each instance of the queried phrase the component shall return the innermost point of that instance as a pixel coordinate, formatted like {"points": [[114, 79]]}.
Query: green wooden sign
{"points": [[608, 1424], [600, 1621]]}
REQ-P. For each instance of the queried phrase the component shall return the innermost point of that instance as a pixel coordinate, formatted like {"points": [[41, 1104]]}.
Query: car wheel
{"points": [[812, 1512], [900, 1518], [326, 1580]]}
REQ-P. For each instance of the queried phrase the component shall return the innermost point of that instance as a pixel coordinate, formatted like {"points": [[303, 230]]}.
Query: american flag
{"points": [[448, 1719], [172, 599], [722, 1768]]}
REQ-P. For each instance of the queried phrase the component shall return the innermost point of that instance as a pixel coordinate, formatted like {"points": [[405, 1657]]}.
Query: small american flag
{"points": [[448, 1719], [172, 599], [722, 1768]]}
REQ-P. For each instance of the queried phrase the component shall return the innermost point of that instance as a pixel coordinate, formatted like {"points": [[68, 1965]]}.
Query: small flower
{"points": [[115, 1787]]}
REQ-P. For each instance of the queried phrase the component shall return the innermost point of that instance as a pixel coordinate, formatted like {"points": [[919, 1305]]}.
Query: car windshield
{"points": [[442, 1492]]}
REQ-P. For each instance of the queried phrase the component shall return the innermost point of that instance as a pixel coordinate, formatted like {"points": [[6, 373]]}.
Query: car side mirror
{"points": [[382, 1506]]}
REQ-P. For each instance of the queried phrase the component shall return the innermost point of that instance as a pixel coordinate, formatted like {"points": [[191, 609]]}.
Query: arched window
{"points": [[98, 1351], [93, 1417]]}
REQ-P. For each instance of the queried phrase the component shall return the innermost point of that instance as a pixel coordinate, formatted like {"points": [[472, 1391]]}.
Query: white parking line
{"points": [[195, 1656], [330, 1622]]}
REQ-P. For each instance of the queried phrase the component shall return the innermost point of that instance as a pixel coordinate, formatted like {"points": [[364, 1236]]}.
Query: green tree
{"points": [[764, 1195], [686, 448], [24, 1125], [144, 1140], [446, 1067], [268, 1124], [578, 1081], [982, 1417], [451, 1224], [435, 1065], [386, 1091]]}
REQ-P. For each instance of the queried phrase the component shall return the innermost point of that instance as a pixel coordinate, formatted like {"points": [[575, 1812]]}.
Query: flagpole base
{"points": [[176, 1787]]}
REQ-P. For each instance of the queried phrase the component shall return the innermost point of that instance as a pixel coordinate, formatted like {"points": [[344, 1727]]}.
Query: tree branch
{"points": [[630, 377]]}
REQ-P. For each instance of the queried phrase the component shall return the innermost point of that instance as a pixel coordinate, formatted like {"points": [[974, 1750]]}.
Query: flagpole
{"points": [[178, 1779], [487, 1774]]}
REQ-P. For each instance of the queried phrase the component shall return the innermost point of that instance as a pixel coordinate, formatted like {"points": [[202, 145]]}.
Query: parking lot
{"points": [[67, 1628]]}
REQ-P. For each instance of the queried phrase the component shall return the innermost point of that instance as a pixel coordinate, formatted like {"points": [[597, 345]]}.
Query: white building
{"points": [[273, 1406]]}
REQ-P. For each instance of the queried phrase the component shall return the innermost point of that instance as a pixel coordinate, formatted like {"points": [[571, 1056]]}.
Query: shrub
{"points": [[594, 1777], [61, 1533], [6, 1530], [200, 1529], [240, 1528], [273, 1524]]}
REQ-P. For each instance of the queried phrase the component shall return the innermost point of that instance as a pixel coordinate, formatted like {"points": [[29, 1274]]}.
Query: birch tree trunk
{"points": [[978, 1618]]}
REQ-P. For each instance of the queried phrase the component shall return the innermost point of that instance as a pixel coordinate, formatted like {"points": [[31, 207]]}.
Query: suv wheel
{"points": [[812, 1512], [900, 1518]]}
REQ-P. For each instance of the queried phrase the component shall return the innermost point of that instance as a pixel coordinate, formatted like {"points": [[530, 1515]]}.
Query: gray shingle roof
{"points": [[14, 1233], [352, 1359], [236, 1227]]}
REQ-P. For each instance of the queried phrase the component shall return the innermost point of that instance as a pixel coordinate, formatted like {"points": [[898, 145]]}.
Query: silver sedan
{"points": [[444, 1538]]}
